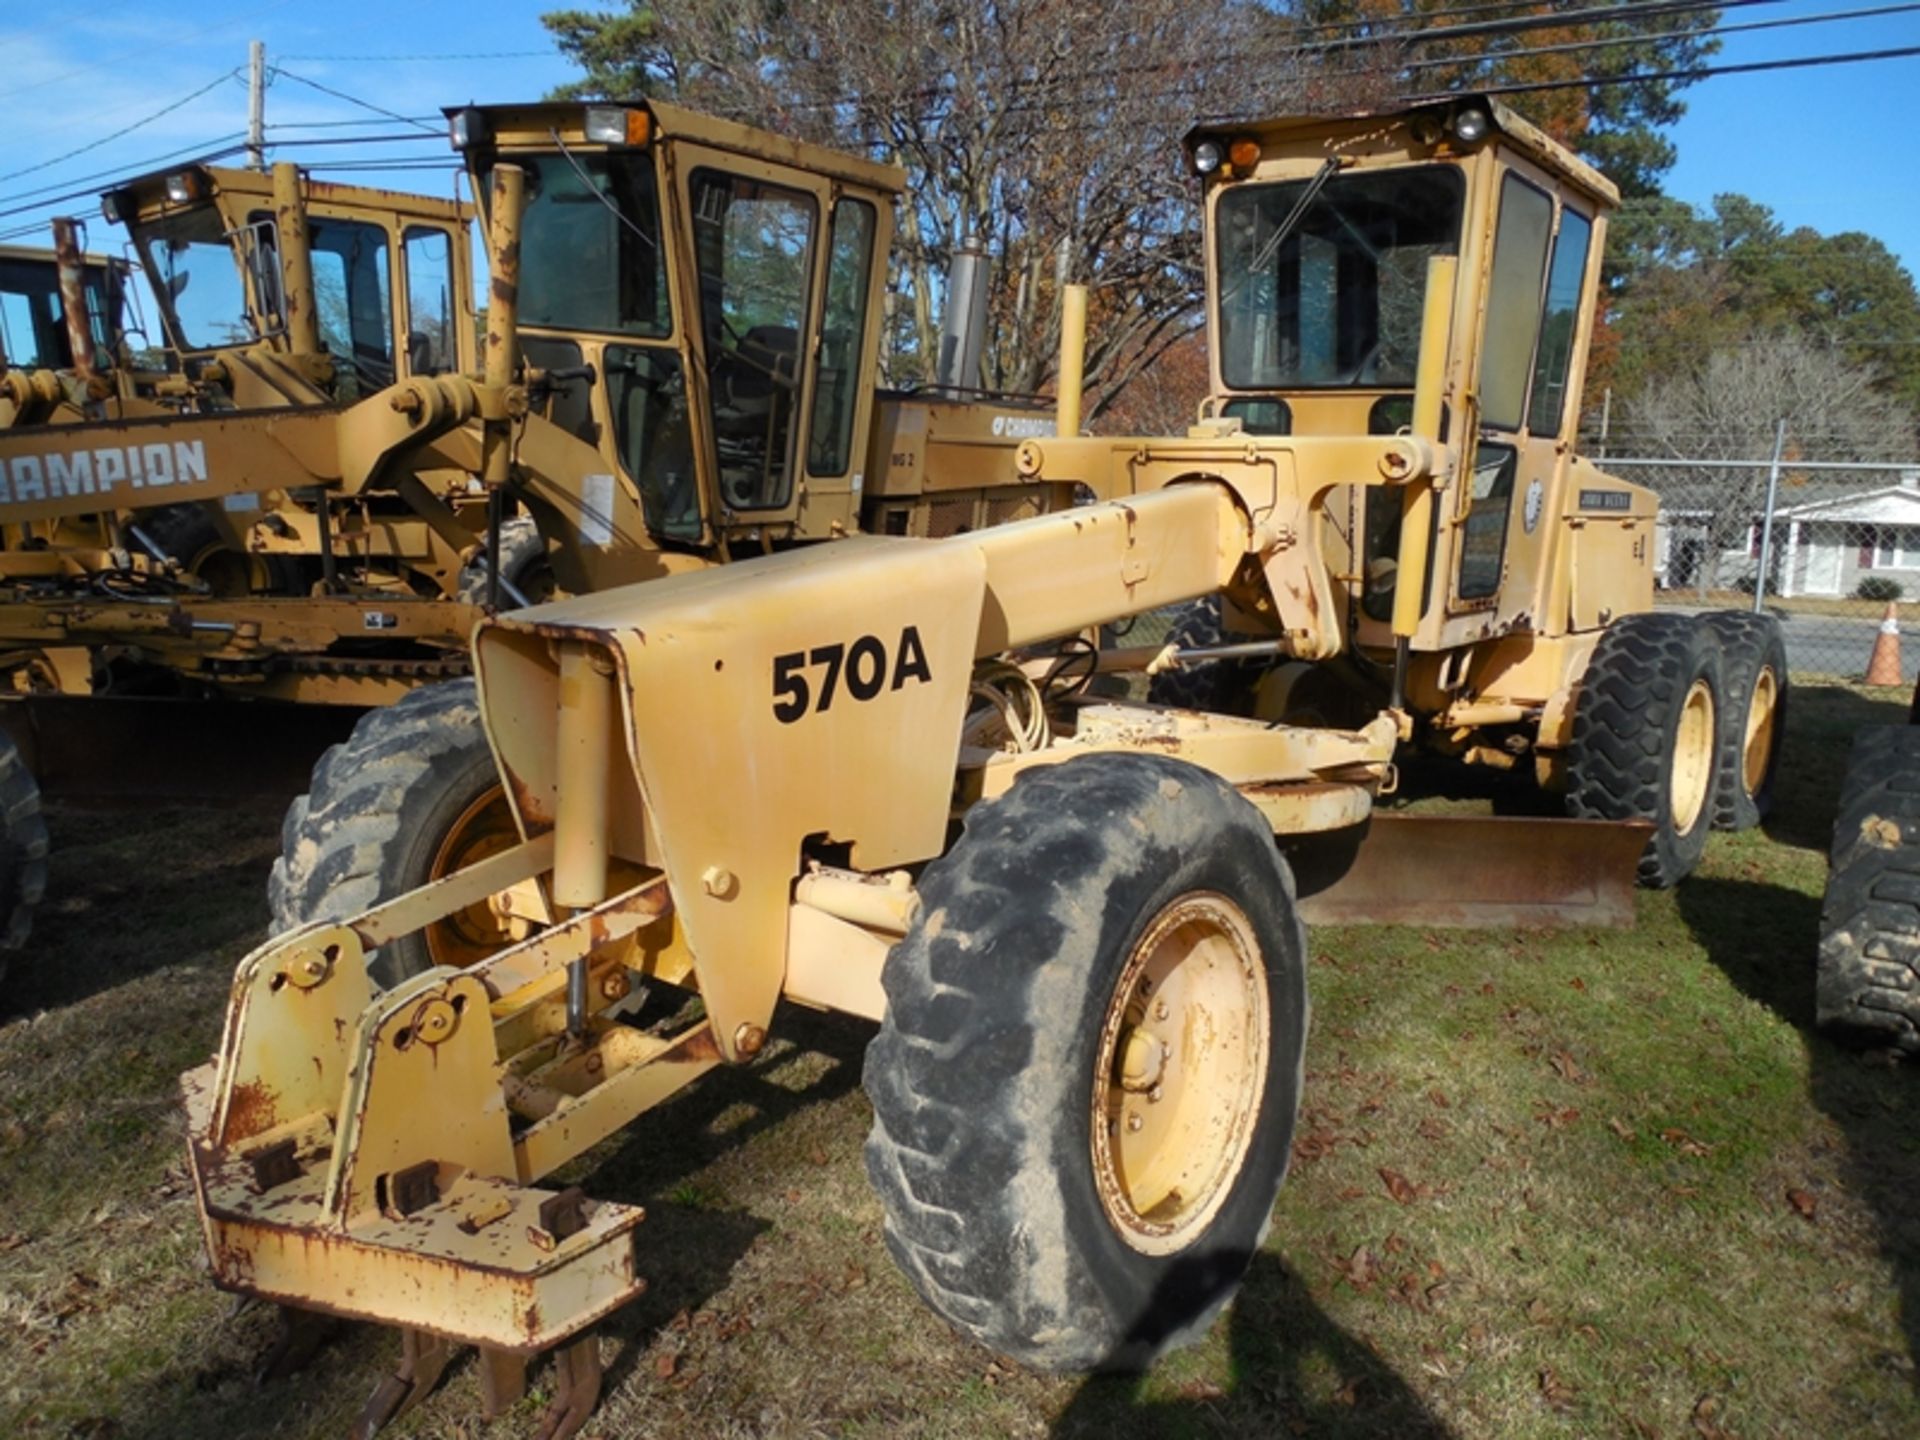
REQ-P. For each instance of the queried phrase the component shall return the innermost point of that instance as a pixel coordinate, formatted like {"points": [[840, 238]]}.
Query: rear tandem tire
{"points": [[23, 850], [1867, 980], [1754, 718], [1219, 687], [1019, 1202], [1645, 739], [410, 795]]}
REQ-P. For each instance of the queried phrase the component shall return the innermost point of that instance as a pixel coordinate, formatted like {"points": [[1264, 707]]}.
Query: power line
{"points": [[1571, 46], [1591, 15], [123, 130], [425, 59], [1698, 72], [353, 99]]}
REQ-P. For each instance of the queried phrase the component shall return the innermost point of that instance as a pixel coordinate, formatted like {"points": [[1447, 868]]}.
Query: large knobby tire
{"points": [[1220, 687], [524, 565], [1867, 985], [23, 850], [186, 533], [1112, 924], [1646, 738], [1754, 718], [411, 795]]}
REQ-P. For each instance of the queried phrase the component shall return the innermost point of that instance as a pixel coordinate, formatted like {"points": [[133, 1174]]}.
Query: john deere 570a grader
{"points": [[308, 511], [874, 778]]}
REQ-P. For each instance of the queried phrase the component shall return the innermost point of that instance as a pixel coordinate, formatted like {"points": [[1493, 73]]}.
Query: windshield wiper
{"points": [[1294, 216]]}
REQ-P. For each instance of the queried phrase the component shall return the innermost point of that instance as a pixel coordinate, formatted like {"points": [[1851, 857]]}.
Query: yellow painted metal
{"points": [[296, 260], [503, 315], [1762, 729], [1416, 513], [582, 822], [1179, 1073], [1694, 744], [1073, 357]]}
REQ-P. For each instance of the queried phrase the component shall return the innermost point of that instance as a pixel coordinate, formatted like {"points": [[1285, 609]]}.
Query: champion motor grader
{"points": [[875, 778], [698, 305]]}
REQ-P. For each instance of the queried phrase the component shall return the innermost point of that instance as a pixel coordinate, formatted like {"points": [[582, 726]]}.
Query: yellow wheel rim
{"points": [[1762, 720], [1180, 1071], [485, 828], [1692, 758]]}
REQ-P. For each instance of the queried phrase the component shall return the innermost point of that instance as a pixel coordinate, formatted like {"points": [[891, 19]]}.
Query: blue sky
{"points": [[1826, 146], [1822, 147]]}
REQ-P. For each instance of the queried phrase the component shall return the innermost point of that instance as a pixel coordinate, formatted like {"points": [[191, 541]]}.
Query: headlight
{"points": [[466, 128], [1207, 156], [183, 187], [113, 206], [1470, 126], [617, 125]]}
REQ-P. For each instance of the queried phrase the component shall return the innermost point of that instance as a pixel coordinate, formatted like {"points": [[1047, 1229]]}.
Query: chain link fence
{"points": [[1827, 546]]}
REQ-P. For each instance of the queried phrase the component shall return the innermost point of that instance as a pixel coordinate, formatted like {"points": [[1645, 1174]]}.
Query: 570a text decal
{"points": [[813, 679]]}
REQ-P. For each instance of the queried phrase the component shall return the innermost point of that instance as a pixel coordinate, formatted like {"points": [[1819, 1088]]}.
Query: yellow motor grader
{"points": [[699, 383], [875, 778]]}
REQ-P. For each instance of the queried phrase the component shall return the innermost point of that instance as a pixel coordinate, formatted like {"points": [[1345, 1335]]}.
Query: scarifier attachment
{"points": [[374, 1154]]}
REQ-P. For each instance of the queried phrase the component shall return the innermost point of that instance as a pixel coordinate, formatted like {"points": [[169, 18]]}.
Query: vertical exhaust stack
{"points": [[1416, 515], [1073, 359], [296, 261], [73, 301], [963, 331]]}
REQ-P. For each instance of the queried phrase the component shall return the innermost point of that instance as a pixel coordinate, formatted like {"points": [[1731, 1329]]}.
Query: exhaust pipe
{"points": [[963, 331]]}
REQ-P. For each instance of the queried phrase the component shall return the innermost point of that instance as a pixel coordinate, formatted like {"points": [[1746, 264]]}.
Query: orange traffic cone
{"points": [[1884, 666]]}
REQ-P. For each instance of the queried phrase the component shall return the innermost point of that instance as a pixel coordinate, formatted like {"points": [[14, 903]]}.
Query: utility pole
{"points": [[257, 104], [1766, 523]]}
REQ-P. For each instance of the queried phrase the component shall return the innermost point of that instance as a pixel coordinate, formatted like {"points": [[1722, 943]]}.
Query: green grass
{"points": [[1607, 1143]]}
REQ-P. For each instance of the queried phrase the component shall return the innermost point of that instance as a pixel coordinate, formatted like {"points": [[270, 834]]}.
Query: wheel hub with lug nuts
{"points": [[1179, 1073]]}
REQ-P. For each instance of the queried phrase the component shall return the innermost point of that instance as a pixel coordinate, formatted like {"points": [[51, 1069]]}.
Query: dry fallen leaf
{"points": [[1398, 1186], [1357, 1269], [1538, 1312], [1567, 1068], [1555, 1391], [664, 1365], [1685, 1143], [1439, 1098], [1706, 1420], [1434, 1128], [1803, 1202], [1622, 1129]]}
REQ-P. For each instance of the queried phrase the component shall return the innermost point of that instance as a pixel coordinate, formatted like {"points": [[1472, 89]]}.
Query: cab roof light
{"points": [[183, 187], [1208, 156], [618, 125], [466, 128]]}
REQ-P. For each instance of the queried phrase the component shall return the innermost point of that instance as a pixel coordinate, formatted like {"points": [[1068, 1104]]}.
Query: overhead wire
{"points": [[122, 130]]}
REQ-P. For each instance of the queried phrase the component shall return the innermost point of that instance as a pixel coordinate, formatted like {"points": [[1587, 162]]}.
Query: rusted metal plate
{"points": [[106, 751], [1486, 872]]}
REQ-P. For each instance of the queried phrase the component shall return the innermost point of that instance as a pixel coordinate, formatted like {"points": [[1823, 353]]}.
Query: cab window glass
{"points": [[196, 278], [590, 256], [753, 245], [1266, 416], [836, 388], [1483, 542], [1546, 412], [647, 395], [1513, 302], [352, 298], [432, 348]]}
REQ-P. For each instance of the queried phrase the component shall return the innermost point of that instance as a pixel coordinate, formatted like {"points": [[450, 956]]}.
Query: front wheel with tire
{"points": [[1085, 1085], [526, 569], [1754, 717], [411, 795], [23, 850], [1867, 980], [1646, 737]]}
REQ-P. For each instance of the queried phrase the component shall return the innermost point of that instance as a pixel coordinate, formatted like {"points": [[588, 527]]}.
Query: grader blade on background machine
{"points": [[1485, 872]]}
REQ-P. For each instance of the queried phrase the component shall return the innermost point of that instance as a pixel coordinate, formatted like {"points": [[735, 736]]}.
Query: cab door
{"points": [[755, 240], [1534, 319]]}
